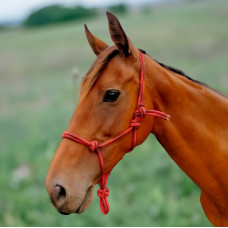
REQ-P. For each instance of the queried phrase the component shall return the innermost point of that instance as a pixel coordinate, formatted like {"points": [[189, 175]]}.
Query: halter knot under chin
{"points": [[93, 146]]}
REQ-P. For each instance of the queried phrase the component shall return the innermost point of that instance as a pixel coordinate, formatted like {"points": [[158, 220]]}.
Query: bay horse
{"points": [[126, 86]]}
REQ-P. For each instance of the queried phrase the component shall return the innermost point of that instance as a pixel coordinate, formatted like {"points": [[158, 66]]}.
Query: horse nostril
{"points": [[59, 195], [62, 192]]}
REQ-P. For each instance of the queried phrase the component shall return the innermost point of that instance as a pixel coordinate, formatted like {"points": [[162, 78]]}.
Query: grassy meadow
{"points": [[39, 87]]}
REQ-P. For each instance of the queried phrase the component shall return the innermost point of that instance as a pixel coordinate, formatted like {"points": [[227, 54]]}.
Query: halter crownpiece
{"points": [[94, 146]]}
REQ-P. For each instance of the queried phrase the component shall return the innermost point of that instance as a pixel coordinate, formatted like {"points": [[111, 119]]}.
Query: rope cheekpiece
{"points": [[94, 146]]}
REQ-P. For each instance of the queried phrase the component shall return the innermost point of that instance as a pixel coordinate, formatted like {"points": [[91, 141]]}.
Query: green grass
{"points": [[38, 94]]}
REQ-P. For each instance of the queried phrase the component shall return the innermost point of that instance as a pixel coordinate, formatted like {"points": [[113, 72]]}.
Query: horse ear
{"points": [[95, 43], [118, 36]]}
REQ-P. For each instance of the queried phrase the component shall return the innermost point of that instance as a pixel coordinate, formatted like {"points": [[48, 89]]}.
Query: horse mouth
{"points": [[86, 201]]}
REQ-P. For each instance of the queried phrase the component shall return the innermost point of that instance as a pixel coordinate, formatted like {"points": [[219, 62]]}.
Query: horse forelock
{"points": [[96, 69]]}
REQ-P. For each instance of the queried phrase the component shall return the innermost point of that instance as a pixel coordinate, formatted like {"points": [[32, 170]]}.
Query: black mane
{"points": [[175, 70], [180, 72]]}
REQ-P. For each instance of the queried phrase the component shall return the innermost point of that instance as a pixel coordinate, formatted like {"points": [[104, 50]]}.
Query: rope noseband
{"points": [[94, 146]]}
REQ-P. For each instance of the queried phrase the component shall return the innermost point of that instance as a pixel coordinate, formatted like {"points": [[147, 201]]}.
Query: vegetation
{"points": [[58, 13], [39, 91], [118, 9]]}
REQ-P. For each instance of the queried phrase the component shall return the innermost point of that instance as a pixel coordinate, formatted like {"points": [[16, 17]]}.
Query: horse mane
{"points": [[102, 60], [175, 70], [180, 72]]}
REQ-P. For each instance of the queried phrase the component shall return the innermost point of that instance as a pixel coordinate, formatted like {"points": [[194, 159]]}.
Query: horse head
{"points": [[106, 107]]}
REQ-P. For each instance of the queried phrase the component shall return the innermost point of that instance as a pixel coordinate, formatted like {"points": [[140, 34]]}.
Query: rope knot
{"points": [[93, 146], [135, 124], [102, 193], [141, 111]]}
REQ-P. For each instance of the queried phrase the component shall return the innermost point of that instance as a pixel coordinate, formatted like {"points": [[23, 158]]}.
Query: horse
{"points": [[125, 96]]}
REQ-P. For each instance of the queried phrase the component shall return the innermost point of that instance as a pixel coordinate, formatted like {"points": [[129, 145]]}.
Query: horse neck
{"points": [[194, 137]]}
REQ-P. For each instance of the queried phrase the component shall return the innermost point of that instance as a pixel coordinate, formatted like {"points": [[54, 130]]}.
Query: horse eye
{"points": [[111, 95]]}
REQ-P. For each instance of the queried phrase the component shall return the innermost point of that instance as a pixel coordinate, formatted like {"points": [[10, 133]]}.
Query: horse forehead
{"points": [[110, 68], [115, 66], [117, 70]]}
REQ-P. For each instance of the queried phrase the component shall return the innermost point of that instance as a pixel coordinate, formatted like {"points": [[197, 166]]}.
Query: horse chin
{"points": [[86, 201]]}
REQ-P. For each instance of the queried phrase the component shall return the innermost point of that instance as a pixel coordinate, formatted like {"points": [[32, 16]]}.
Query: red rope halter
{"points": [[139, 114]]}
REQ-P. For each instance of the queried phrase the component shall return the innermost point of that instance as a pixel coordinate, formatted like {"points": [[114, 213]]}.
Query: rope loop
{"points": [[135, 124], [93, 146], [102, 193]]}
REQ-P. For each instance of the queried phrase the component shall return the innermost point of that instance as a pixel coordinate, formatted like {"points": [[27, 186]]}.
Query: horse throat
{"points": [[196, 136]]}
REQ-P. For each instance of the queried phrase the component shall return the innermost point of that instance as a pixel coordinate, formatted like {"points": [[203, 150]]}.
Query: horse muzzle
{"points": [[67, 200]]}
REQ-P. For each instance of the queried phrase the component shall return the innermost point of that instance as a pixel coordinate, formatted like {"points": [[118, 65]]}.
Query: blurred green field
{"points": [[39, 91]]}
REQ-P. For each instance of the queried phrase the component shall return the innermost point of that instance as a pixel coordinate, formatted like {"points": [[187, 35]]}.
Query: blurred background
{"points": [[43, 56]]}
